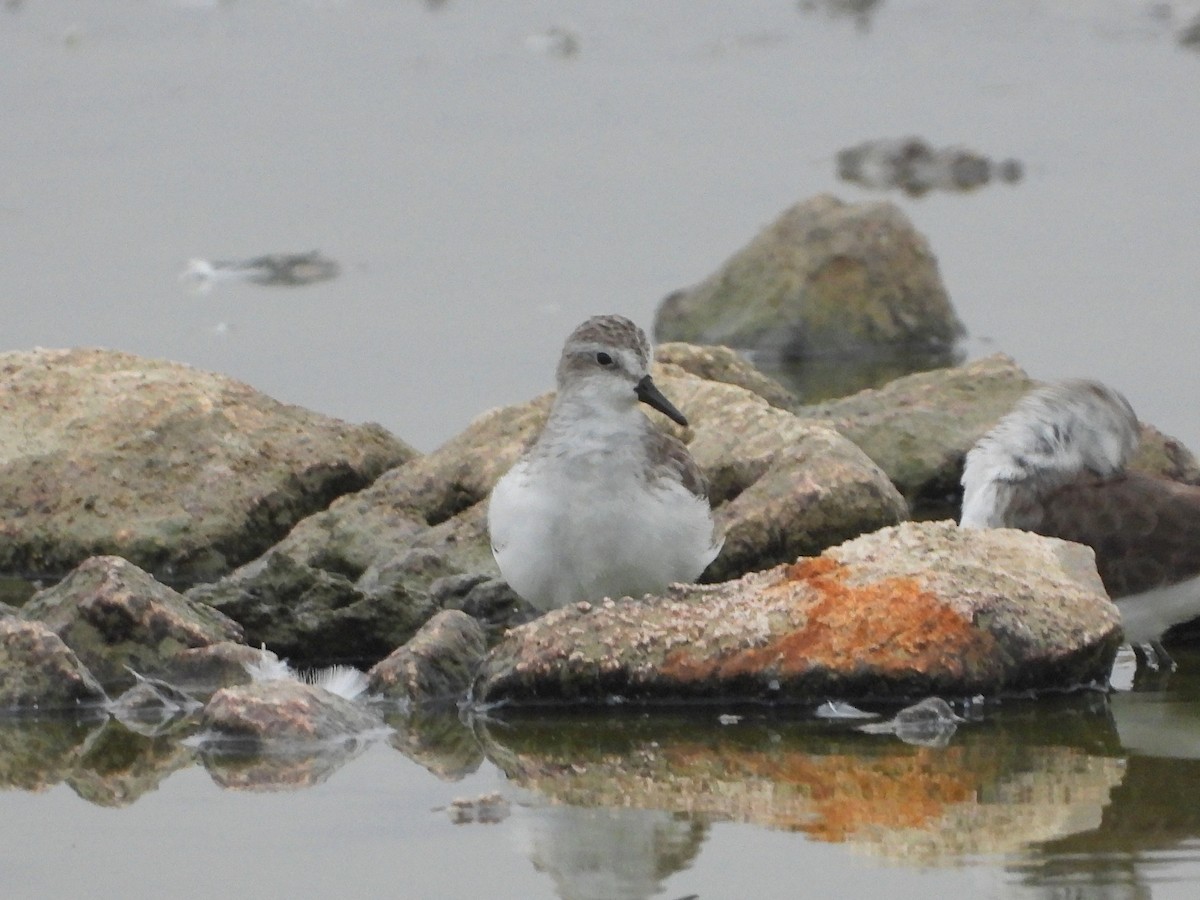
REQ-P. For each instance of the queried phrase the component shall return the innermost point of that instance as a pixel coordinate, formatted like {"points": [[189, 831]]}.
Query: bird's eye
{"points": [[604, 359]]}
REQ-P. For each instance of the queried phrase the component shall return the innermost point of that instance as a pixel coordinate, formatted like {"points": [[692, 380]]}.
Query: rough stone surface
{"points": [[204, 669], [905, 612], [389, 556], [186, 473], [727, 366], [284, 710], [825, 278], [39, 671], [918, 428], [436, 666], [116, 617]]}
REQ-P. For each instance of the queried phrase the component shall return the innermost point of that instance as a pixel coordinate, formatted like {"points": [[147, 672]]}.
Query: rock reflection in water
{"points": [[995, 788]]}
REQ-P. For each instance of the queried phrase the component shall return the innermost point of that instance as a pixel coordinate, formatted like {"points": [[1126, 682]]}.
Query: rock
{"points": [[726, 366], [201, 670], [375, 565], [184, 472], [39, 671], [437, 666], [918, 428], [915, 167], [826, 279], [782, 486], [283, 711], [117, 617], [906, 612]]}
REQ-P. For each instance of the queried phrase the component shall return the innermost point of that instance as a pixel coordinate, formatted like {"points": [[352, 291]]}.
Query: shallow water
{"points": [[482, 196], [1079, 796]]}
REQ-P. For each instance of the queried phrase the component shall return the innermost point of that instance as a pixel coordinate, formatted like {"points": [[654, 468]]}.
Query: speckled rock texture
{"points": [[184, 472], [283, 711], [39, 671], [358, 579], [115, 616], [714, 363], [437, 666], [905, 612], [825, 278]]}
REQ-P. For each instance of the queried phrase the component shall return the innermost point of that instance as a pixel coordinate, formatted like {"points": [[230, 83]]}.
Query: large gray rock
{"points": [[826, 278], [416, 539], [906, 612], [115, 617], [39, 671], [184, 472]]}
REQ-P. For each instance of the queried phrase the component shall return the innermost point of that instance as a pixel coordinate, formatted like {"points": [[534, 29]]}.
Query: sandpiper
{"points": [[603, 504], [1055, 465]]}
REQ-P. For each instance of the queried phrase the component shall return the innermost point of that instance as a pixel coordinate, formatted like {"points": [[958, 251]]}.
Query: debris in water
{"points": [[930, 723], [838, 709], [274, 269], [915, 167]]}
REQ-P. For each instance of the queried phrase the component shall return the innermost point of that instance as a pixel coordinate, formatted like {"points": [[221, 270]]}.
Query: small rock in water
{"points": [[151, 704], [916, 167], [274, 269], [930, 723]]}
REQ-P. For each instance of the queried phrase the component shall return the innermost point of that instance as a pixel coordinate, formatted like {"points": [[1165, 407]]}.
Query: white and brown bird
{"points": [[1056, 465], [603, 504]]}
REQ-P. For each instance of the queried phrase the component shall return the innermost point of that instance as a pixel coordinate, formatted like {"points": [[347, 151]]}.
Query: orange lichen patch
{"points": [[892, 625]]}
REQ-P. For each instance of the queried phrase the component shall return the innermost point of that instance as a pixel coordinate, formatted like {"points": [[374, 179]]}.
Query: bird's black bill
{"points": [[649, 394]]}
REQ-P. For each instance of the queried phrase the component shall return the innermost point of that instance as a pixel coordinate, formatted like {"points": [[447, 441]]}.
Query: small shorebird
{"points": [[603, 504], [1055, 465]]}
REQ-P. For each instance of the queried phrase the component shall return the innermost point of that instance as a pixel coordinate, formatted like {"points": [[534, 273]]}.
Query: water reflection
{"points": [[593, 853], [996, 788], [1089, 792]]}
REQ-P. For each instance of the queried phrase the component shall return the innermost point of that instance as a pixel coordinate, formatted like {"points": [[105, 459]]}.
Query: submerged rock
{"points": [[436, 666], [826, 279], [39, 671], [906, 612], [116, 617], [184, 472], [284, 711]]}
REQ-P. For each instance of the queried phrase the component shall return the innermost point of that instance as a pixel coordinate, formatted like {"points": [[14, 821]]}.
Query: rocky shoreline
{"points": [[186, 521]]}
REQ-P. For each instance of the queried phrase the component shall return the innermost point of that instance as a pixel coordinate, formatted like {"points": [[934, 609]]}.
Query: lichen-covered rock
{"points": [[116, 617], [387, 557], [39, 671], [826, 278], [436, 666], [283, 711], [905, 612], [186, 473]]}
